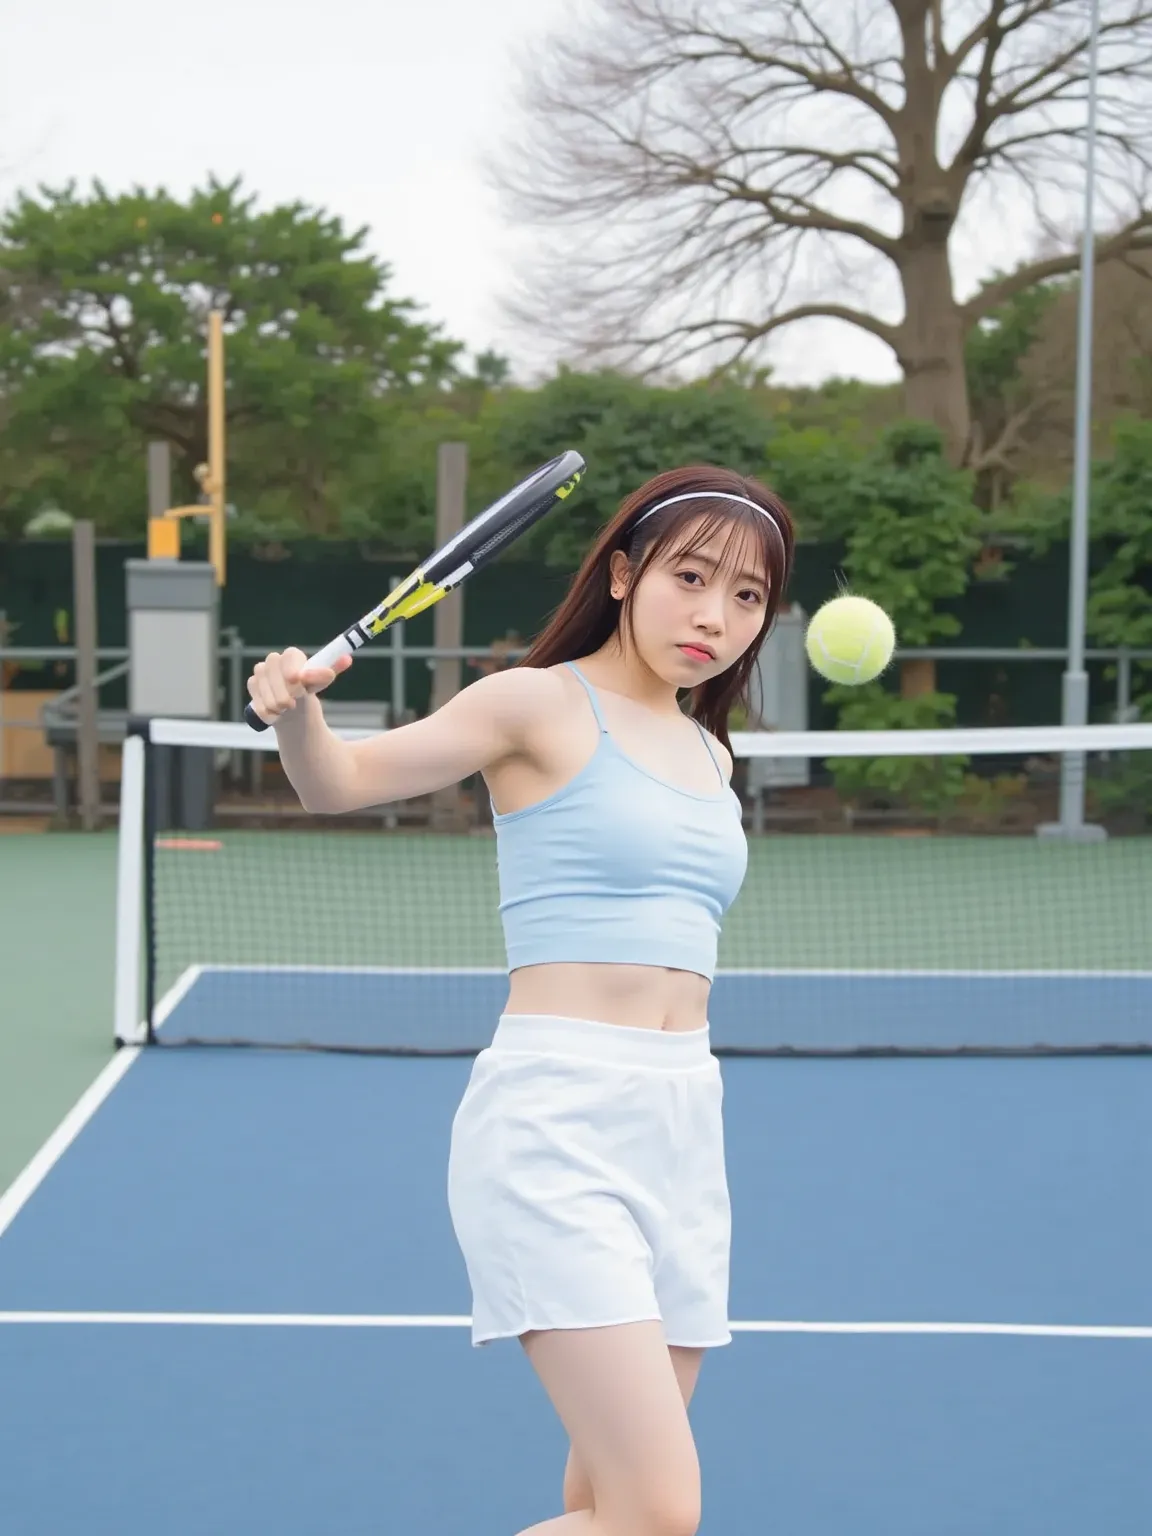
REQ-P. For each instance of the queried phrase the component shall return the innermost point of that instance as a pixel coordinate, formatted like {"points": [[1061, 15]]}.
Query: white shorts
{"points": [[587, 1182]]}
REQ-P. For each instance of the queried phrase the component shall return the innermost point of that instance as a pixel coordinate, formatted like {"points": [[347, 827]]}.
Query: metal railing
{"points": [[236, 656], [65, 707], [236, 653]]}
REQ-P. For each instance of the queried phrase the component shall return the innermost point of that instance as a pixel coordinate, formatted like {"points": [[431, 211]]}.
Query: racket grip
{"points": [[254, 720], [327, 657]]}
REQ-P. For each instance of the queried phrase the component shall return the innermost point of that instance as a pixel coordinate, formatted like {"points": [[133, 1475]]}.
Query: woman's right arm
{"points": [[490, 720]]}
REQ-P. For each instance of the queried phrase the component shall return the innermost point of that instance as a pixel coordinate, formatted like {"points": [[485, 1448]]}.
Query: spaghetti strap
{"points": [[591, 692], [711, 754]]}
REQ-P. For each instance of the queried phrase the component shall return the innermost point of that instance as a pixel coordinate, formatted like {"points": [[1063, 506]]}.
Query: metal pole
{"points": [[1075, 681], [216, 453], [1124, 710], [159, 479], [399, 701], [235, 642], [448, 614], [87, 730]]}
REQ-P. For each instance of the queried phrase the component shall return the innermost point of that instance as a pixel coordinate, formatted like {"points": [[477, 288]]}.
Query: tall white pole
{"points": [[1075, 682]]}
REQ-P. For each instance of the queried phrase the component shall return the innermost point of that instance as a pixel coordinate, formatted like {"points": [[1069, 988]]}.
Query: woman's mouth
{"points": [[697, 653]]}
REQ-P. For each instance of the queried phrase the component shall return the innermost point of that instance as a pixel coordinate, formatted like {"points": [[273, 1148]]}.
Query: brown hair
{"points": [[589, 615]]}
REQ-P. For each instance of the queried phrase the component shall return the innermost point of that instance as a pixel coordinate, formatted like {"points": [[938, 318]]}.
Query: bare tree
{"points": [[704, 173], [1034, 424]]}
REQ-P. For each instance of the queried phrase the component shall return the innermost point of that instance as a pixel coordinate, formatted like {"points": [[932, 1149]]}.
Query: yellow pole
{"points": [[163, 534], [215, 486]]}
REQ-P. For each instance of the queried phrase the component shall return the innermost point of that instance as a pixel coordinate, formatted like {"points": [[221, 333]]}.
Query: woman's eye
{"points": [[751, 595], [690, 576]]}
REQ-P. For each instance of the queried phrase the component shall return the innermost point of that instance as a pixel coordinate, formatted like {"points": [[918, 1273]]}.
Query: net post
{"points": [[148, 888], [130, 889]]}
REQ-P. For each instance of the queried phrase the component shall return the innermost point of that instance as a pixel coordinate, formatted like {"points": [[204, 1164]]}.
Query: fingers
{"points": [[316, 679], [276, 683], [283, 677], [271, 687]]}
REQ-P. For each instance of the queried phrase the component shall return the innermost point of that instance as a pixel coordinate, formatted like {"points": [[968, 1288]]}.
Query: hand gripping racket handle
{"points": [[332, 652]]}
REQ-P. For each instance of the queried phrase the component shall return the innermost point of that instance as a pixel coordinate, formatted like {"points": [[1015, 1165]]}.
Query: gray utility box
{"points": [[174, 671], [779, 697], [173, 638]]}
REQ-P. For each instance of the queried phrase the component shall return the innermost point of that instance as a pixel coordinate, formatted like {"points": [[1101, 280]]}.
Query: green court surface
{"points": [[57, 924]]}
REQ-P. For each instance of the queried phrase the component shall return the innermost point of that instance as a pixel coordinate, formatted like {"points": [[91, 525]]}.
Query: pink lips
{"points": [[697, 653]]}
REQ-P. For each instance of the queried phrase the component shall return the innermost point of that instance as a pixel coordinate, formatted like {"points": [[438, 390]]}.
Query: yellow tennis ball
{"points": [[850, 640]]}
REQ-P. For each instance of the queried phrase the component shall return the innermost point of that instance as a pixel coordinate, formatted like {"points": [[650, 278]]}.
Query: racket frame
{"points": [[424, 586]]}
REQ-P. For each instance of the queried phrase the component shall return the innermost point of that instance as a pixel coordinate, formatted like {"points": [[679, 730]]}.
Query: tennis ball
{"points": [[850, 640]]}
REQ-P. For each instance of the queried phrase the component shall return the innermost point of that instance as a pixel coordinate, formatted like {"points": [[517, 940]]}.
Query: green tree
{"points": [[1120, 593], [909, 529], [103, 305], [1120, 606], [1120, 600], [1003, 401], [627, 431], [911, 532], [1119, 611], [905, 518]]}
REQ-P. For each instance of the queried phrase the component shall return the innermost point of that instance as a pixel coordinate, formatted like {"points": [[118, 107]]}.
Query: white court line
{"points": [[382, 1320], [904, 973], [901, 972], [28, 1181], [178, 991], [352, 970]]}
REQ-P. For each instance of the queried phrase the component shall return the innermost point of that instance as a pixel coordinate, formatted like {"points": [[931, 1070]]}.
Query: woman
{"points": [[587, 1183]]}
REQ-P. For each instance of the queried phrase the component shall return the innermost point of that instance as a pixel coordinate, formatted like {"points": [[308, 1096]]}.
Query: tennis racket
{"points": [[474, 546]]}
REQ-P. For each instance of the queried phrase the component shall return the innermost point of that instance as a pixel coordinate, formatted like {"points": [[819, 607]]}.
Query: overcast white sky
{"points": [[374, 110]]}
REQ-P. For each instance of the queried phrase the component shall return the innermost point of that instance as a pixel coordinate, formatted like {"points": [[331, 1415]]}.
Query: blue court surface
{"points": [[752, 1009], [231, 1302]]}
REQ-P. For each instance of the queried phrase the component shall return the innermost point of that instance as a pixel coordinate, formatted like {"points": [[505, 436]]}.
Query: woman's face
{"points": [[696, 614]]}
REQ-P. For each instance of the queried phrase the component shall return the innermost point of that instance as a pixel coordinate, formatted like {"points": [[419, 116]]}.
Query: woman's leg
{"points": [[686, 1364], [617, 1394]]}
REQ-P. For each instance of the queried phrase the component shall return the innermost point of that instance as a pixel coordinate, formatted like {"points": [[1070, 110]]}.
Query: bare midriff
{"points": [[637, 996]]}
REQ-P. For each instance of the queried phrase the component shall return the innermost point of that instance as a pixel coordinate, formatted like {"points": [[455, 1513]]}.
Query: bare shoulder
{"points": [[521, 696], [723, 756]]}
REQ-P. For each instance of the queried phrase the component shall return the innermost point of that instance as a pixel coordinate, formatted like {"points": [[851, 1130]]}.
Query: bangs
{"points": [[751, 539]]}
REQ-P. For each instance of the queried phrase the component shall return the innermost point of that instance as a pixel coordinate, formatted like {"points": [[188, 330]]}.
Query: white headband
{"points": [[719, 495]]}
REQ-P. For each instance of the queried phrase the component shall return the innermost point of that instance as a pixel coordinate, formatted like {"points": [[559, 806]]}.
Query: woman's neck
{"points": [[621, 671]]}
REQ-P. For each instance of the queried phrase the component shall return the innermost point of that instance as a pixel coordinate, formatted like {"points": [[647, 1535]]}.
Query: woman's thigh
{"points": [[622, 1395], [686, 1364]]}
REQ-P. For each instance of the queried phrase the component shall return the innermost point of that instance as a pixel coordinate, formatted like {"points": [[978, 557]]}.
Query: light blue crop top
{"points": [[619, 866]]}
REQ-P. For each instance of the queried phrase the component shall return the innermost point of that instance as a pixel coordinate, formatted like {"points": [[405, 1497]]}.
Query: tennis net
{"points": [[903, 897]]}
